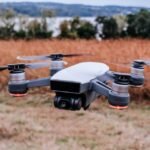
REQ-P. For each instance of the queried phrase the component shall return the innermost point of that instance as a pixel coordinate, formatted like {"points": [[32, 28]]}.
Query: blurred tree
{"points": [[45, 14], [21, 32], [7, 18], [122, 24], [100, 19], [64, 29], [110, 28], [75, 23], [86, 30], [77, 29], [139, 24]]}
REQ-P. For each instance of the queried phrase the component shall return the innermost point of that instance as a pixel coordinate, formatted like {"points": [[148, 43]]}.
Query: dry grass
{"points": [[118, 51], [33, 123]]}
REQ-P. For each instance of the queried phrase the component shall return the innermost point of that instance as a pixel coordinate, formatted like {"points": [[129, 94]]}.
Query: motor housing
{"points": [[137, 75], [119, 95], [17, 85]]}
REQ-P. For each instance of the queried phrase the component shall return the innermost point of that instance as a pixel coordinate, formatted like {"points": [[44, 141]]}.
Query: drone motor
{"points": [[137, 73], [119, 95], [17, 85]]}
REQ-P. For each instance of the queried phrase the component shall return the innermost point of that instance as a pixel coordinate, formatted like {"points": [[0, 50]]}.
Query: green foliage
{"points": [[139, 24], [38, 30], [33, 29], [86, 31], [64, 29], [77, 29], [133, 25], [110, 27]]}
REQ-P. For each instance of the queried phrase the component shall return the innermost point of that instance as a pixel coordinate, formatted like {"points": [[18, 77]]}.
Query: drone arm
{"points": [[39, 82], [108, 76], [100, 87]]}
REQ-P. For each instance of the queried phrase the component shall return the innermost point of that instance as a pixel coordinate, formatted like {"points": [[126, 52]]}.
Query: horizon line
{"points": [[77, 4]]}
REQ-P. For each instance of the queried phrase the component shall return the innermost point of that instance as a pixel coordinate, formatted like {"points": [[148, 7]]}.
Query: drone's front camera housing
{"points": [[17, 85], [68, 101]]}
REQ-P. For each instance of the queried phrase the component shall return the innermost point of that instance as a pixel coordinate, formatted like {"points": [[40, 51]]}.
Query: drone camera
{"points": [[68, 101], [17, 86]]}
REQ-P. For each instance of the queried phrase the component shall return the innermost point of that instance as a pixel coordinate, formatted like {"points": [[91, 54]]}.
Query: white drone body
{"points": [[81, 73]]}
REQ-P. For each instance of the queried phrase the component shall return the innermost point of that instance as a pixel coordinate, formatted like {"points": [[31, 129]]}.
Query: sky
{"points": [[141, 3]]}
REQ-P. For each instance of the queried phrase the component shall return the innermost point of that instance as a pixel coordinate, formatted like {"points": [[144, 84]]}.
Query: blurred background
{"points": [[116, 31]]}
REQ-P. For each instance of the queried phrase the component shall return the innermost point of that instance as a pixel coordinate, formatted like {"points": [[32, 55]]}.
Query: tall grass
{"points": [[110, 51]]}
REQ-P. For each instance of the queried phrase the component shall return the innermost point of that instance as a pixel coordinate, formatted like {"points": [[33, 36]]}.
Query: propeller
{"points": [[52, 56], [142, 62], [3, 68], [11, 67]]}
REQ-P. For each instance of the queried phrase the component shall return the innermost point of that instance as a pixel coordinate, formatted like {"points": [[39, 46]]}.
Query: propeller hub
{"points": [[55, 57], [16, 67], [122, 79], [139, 64]]}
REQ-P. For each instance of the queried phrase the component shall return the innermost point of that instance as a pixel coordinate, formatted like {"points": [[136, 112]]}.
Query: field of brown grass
{"points": [[32, 122], [110, 51]]}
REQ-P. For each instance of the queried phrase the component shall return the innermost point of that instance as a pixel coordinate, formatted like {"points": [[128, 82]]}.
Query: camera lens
{"points": [[67, 103]]}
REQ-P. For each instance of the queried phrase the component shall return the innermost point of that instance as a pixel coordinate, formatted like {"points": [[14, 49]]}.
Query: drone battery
{"points": [[17, 85]]}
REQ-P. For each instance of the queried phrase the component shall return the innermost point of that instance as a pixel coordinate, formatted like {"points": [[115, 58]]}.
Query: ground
{"points": [[33, 123]]}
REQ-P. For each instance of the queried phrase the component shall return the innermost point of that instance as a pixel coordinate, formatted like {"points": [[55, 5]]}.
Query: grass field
{"points": [[32, 123]]}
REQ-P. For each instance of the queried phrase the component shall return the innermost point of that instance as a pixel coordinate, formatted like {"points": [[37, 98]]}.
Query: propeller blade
{"points": [[143, 62], [77, 55], [44, 57], [52, 56], [3, 68], [147, 62], [37, 65]]}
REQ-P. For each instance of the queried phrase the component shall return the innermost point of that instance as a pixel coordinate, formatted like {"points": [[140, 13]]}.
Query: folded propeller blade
{"points": [[77, 55], [37, 65], [3, 68], [44, 57], [52, 56]]}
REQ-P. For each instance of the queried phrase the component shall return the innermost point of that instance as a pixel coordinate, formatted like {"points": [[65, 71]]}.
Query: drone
{"points": [[77, 86]]}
